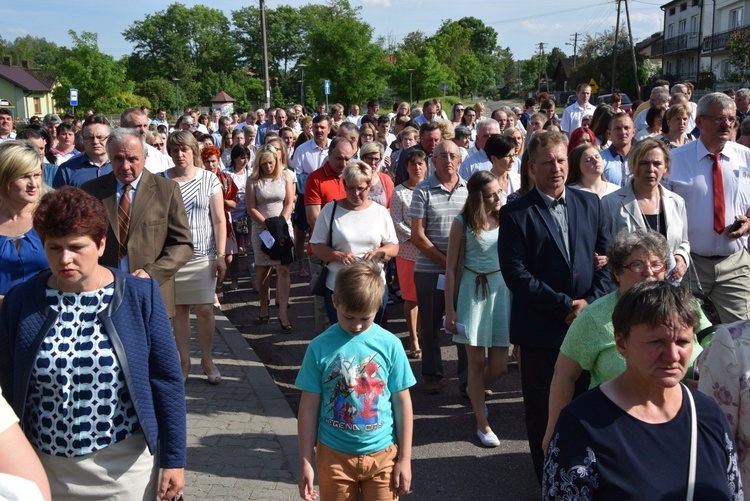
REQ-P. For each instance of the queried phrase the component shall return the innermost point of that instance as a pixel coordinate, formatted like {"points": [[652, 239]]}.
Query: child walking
{"points": [[355, 381]]}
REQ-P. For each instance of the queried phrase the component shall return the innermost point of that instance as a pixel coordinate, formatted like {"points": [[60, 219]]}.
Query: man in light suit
{"points": [[546, 246], [159, 241]]}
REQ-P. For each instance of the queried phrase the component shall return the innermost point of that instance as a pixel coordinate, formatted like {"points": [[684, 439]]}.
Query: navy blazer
{"points": [[138, 328], [536, 270]]}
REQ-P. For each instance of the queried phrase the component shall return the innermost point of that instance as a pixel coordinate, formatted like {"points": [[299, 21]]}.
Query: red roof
{"points": [[29, 79]]}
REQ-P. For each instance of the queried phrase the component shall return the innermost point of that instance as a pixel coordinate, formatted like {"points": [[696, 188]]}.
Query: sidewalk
{"points": [[242, 434]]}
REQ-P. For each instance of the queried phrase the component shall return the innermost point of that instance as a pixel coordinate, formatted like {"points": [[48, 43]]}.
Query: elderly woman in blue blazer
{"points": [[645, 203], [90, 366]]}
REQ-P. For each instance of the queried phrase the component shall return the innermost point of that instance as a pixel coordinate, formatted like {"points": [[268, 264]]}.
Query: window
{"points": [[671, 11], [683, 7], [691, 66], [726, 68], [670, 67], [694, 24], [37, 106], [696, 3], [670, 31], [735, 18], [683, 25]]}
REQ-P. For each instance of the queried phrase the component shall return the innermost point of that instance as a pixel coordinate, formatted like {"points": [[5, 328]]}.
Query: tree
{"points": [[340, 48], [101, 81], [286, 37], [738, 45], [427, 76], [37, 51], [183, 43], [554, 57]]}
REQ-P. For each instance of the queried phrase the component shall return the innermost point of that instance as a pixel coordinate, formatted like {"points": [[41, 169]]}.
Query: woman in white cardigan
{"points": [[645, 203]]}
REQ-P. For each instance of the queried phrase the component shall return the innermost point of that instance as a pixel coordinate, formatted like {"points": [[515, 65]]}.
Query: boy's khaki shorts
{"points": [[341, 475]]}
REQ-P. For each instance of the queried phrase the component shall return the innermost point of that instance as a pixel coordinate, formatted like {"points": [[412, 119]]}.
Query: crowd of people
{"points": [[605, 251]]}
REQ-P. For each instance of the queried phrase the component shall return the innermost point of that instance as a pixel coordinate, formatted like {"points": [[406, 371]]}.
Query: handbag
{"points": [[705, 302], [319, 276], [459, 265]]}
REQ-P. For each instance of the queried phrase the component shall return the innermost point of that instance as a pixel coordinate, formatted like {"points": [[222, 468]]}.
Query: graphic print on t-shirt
{"points": [[353, 404]]}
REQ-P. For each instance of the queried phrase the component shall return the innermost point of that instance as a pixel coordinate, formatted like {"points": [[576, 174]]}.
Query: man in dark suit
{"points": [[158, 241], [547, 242]]}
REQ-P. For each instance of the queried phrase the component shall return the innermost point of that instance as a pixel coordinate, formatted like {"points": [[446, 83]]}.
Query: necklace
{"points": [[641, 205], [69, 300]]}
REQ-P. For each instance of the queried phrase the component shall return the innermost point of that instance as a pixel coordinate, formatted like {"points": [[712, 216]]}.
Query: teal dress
{"points": [[483, 298]]}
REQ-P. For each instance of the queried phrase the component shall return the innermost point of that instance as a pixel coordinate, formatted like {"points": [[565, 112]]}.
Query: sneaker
{"points": [[432, 387], [488, 439]]}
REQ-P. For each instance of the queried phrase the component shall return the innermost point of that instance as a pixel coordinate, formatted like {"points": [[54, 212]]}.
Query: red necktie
{"points": [[719, 208], [123, 216]]}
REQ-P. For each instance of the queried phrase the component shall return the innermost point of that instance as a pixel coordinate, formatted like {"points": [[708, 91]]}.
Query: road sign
{"points": [[327, 87], [594, 86], [74, 97]]}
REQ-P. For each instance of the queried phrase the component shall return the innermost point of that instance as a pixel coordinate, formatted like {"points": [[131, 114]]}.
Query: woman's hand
{"points": [[220, 268], [375, 255], [345, 258], [679, 270], [599, 261], [172, 483], [450, 322]]}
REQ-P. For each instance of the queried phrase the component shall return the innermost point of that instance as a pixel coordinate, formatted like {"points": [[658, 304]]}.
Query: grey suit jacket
{"points": [[622, 212], [159, 239]]}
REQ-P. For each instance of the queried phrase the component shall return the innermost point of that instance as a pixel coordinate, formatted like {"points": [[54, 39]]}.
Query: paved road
{"points": [[448, 462]]}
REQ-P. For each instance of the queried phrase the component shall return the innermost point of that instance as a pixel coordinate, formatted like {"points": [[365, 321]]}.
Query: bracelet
{"points": [[221, 254]]}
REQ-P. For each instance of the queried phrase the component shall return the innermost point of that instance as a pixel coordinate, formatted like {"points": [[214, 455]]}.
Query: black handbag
{"points": [[318, 277]]}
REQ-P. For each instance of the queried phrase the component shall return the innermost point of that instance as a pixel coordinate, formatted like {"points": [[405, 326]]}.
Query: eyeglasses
{"points": [[721, 119], [452, 156], [640, 266], [510, 156], [358, 189], [98, 138]]}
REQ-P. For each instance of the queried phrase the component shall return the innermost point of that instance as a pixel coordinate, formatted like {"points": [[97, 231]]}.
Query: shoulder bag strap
{"points": [[330, 224], [693, 445]]}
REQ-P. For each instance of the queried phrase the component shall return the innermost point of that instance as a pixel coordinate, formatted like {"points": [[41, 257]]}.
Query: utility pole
{"points": [[266, 79], [541, 65], [632, 50], [614, 51], [575, 48]]}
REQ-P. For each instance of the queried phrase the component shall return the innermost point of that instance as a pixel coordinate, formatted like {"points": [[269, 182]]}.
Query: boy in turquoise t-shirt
{"points": [[354, 380]]}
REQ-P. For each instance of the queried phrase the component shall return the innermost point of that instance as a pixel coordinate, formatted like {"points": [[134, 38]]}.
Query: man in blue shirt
{"points": [[615, 158], [94, 162]]}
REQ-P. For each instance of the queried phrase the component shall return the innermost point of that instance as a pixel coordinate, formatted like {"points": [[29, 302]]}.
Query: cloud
{"points": [[379, 3], [539, 27]]}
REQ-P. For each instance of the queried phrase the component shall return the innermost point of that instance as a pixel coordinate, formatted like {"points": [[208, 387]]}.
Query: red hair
{"points": [[575, 137]]}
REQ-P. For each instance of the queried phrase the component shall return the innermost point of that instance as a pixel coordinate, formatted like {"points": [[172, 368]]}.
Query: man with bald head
{"points": [[137, 119], [157, 241], [435, 203]]}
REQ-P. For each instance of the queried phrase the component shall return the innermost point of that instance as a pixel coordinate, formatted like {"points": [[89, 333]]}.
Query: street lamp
{"points": [[411, 98], [302, 85], [177, 88]]}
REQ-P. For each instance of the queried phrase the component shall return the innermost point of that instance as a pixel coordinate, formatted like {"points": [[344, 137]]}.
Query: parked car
{"points": [[626, 105], [571, 99]]}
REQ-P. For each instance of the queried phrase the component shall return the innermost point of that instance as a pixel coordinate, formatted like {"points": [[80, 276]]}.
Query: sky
{"points": [[552, 22]]}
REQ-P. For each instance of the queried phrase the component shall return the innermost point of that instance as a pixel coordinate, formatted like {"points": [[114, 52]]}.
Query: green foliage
{"points": [[286, 37], [426, 78], [595, 61], [37, 51], [341, 49], [466, 48], [101, 81], [738, 45], [184, 43]]}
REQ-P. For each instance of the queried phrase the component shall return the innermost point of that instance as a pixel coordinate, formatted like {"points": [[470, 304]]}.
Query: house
{"points": [[722, 18], [562, 73], [28, 90], [680, 48]]}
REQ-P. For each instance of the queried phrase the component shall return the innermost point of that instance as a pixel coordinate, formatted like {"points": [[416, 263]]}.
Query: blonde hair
{"points": [[17, 159], [509, 134], [262, 155], [280, 146], [359, 288], [184, 138], [356, 172]]}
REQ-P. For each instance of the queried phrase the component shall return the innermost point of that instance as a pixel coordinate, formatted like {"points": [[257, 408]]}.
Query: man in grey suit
{"points": [[158, 240]]}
